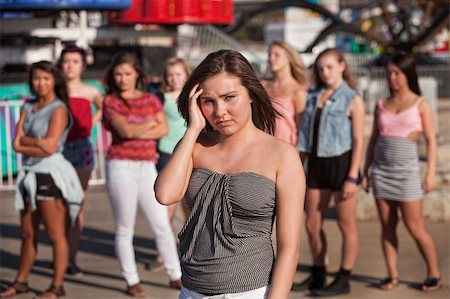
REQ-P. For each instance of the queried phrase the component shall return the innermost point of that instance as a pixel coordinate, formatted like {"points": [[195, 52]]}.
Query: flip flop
{"points": [[431, 284], [14, 289], [388, 283], [52, 292]]}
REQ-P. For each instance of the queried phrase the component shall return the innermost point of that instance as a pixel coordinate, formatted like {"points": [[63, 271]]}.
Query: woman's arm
{"points": [[42, 147], [290, 190], [300, 104], [128, 130], [171, 183], [357, 114], [430, 138], [160, 129], [369, 151], [98, 102]]}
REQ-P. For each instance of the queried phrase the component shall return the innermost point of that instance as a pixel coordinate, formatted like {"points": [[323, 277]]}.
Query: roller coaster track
{"points": [[436, 21]]}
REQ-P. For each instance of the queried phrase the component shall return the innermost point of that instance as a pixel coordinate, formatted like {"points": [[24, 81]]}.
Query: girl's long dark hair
{"points": [[72, 49], [124, 58], [407, 65], [60, 87], [232, 62]]}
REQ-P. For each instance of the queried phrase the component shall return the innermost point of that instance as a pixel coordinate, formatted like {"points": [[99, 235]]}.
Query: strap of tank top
{"points": [[419, 100], [380, 103]]}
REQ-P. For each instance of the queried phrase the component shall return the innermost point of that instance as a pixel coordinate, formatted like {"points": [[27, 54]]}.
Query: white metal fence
{"points": [[195, 42], [11, 162]]}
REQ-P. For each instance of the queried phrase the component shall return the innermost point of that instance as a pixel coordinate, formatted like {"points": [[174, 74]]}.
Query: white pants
{"points": [[129, 183], [260, 293]]}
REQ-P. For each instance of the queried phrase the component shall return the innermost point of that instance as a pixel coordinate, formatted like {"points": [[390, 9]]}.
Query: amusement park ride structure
{"points": [[32, 28]]}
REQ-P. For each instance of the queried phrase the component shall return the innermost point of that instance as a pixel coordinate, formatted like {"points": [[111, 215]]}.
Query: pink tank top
{"points": [[399, 125]]}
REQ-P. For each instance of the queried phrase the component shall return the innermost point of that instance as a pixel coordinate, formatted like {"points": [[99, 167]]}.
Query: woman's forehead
{"points": [[221, 81]]}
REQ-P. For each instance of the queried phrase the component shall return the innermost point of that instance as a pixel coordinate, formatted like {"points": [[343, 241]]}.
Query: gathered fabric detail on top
{"points": [[225, 245]]}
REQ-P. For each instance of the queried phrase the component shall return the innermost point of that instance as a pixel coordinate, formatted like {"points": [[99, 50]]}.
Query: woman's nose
{"points": [[220, 109]]}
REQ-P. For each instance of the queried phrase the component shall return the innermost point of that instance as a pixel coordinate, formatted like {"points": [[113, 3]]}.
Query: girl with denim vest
{"points": [[331, 142], [392, 157]]}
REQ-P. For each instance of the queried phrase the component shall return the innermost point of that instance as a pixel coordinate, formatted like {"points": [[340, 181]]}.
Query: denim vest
{"points": [[335, 127]]}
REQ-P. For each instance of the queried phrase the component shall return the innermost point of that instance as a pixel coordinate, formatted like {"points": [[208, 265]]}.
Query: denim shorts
{"points": [[81, 154]]}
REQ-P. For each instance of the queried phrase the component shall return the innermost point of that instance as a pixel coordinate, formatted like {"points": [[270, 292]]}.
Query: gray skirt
{"points": [[395, 170]]}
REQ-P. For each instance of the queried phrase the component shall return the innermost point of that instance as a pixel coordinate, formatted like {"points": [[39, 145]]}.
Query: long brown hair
{"points": [[60, 87], [298, 69], [124, 58], [71, 48], [346, 74], [170, 62], [232, 62], [405, 62]]}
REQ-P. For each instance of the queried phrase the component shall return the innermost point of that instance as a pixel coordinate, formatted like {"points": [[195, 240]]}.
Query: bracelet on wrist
{"points": [[352, 180]]}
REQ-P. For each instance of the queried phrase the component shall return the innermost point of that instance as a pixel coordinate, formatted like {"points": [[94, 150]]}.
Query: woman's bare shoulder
{"points": [[277, 147], [86, 91]]}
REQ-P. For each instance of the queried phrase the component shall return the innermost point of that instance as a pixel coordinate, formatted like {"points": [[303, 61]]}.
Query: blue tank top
{"points": [[37, 122]]}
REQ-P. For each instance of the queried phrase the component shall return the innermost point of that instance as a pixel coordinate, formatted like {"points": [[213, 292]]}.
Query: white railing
{"points": [[12, 161], [195, 42]]}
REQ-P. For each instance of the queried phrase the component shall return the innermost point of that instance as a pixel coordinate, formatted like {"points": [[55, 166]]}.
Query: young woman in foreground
{"points": [[225, 246]]}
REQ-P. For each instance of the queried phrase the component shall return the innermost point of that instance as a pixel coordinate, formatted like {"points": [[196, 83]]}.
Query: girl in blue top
{"points": [[331, 138], [47, 185]]}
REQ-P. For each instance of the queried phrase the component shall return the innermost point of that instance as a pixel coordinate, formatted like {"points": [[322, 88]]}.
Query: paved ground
{"points": [[102, 277]]}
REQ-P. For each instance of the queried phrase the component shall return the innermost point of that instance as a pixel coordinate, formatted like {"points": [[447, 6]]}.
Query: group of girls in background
{"points": [[330, 122]]}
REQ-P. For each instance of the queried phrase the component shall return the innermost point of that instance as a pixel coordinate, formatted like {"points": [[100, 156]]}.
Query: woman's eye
{"points": [[229, 98]]}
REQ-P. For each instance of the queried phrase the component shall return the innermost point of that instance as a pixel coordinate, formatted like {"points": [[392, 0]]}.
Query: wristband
{"points": [[352, 180]]}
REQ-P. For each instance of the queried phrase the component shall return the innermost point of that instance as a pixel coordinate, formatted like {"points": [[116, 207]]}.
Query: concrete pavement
{"points": [[102, 278]]}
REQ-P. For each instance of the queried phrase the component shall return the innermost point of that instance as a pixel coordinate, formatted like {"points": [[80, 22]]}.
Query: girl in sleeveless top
{"points": [[287, 89], [394, 166], [78, 148], [47, 185], [136, 120], [175, 73], [235, 177], [331, 140]]}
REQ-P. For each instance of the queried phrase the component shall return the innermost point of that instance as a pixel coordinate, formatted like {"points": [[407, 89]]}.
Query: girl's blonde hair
{"points": [[170, 62], [346, 74], [298, 69]]}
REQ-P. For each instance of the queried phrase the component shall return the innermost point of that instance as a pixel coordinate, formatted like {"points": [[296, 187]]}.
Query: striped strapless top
{"points": [[225, 245]]}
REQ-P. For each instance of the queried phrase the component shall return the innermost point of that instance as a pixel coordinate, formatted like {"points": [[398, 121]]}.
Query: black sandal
{"points": [[431, 284], [17, 287], [388, 283], [52, 290]]}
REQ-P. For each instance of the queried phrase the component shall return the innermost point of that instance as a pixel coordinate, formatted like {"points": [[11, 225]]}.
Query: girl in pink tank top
{"points": [[395, 169], [400, 124], [287, 89]]}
